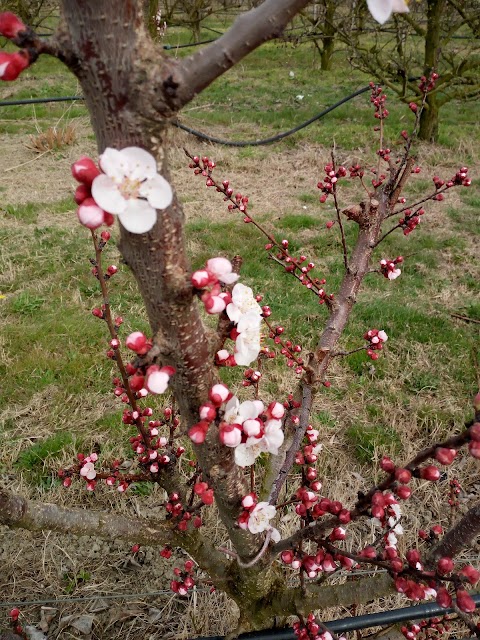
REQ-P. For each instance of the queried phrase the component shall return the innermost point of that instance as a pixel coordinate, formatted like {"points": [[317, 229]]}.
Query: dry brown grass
{"points": [[52, 139]]}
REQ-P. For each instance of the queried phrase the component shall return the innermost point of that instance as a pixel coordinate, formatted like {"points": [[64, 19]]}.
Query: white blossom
{"points": [[381, 10], [131, 188]]}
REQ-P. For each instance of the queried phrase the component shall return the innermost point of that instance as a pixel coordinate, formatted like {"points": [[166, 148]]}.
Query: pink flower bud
{"points": [[403, 492], [475, 431], [472, 575], [201, 278], [12, 64], [10, 25], [219, 394], [157, 379], [387, 464], [85, 170], [430, 473], [444, 599], [82, 192], [90, 215], [230, 434], [208, 412], [445, 456], [474, 448], [275, 410], [207, 497], [198, 432], [465, 602], [249, 501], [137, 342], [445, 565], [287, 556], [403, 476]]}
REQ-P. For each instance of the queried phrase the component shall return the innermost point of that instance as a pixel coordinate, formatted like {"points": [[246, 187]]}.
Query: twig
{"points": [[251, 563], [465, 318]]}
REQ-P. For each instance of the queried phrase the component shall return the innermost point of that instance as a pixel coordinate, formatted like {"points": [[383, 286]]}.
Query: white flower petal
{"points": [[275, 535], [138, 217], [244, 456], [399, 6], [106, 194], [248, 409], [234, 312], [113, 164], [140, 165], [157, 191], [381, 10]]}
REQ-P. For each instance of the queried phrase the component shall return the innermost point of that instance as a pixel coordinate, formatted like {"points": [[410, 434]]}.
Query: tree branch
{"points": [[459, 536], [248, 32], [18, 512]]}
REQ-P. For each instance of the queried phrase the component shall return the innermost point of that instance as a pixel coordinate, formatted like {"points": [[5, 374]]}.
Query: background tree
{"points": [[449, 33]]}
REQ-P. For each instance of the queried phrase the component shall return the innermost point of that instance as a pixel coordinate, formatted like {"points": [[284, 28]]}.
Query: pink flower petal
{"points": [[106, 194], [140, 165], [138, 217]]}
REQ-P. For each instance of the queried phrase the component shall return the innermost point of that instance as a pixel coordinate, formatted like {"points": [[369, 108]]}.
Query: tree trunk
{"points": [[428, 130], [328, 39], [429, 118]]}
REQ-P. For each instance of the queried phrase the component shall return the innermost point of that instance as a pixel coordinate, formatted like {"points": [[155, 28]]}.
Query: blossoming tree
{"points": [[132, 91]]}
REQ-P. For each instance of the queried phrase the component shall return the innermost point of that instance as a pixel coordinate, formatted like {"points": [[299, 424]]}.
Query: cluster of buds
{"points": [[12, 64], [460, 178], [288, 349], [322, 562], [433, 628], [428, 84], [251, 377], [389, 269], [411, 219], [474, 444], [378, 99], [377, 182], [143, 380], [209, 280], [218, 395], [431, 536], [184, 582], [454, 491], [386, 513], [384, 154], [14, 615], [331, 178], [249, 502], [89, 213], [376, 340], [311, 630], [204, 167], [356, 171], [301, 270], [176, 510], [160, 25]]}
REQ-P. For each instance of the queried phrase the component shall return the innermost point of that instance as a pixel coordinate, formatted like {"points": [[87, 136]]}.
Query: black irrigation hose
{"points": [[204, 136], [344, 625], [279, 136]]}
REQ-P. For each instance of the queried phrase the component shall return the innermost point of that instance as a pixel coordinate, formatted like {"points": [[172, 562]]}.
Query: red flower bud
{"points": [[403, 476], [10, 25], [85, 170], [445, 456], [465, 602], [430, 473], [445, 565]]}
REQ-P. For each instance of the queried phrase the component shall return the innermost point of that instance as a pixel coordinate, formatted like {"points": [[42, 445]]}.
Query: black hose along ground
{"points": [[205, 136]]}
